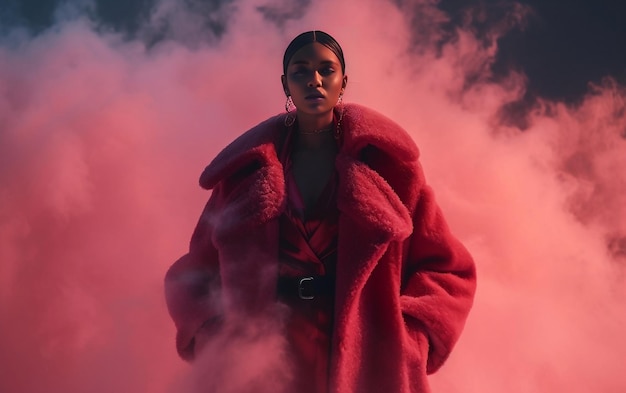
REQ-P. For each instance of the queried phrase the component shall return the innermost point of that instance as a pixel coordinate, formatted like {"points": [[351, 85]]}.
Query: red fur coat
{"points": [[404, 284]]}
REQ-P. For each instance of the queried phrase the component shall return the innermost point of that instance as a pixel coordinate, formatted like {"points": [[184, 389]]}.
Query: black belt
{"points": [[307, 287]]}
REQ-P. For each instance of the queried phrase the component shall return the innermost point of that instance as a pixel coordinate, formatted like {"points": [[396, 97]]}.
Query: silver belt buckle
{"points": [[301, 289]]}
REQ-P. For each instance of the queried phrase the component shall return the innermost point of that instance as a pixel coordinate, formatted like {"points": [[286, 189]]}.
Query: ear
{"points": [[345, 82], [283, 81]]}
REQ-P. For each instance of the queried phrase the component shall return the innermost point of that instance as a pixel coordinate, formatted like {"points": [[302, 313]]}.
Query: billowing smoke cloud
{"points": [[102, 140]]}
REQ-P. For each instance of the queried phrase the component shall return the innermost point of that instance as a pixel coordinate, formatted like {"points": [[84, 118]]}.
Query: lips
{"points": [[314, 96]]}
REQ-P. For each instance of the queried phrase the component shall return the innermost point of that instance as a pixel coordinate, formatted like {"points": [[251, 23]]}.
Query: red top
{"points": [[308, 247]]}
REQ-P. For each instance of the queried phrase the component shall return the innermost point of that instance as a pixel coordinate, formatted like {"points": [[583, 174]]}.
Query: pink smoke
{"points": [[102, 142]]}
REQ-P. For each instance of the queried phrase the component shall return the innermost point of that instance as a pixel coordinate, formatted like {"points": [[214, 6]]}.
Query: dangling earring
{"points": [[289, 108], [341, 111]]}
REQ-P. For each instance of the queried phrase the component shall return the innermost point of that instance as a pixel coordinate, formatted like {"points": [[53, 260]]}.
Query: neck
{"points": [[315, 139], [322, 140], [308, 124]]}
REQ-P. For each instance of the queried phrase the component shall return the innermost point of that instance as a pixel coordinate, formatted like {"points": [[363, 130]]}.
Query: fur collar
{"points": [[364, 194], [361, 127]]}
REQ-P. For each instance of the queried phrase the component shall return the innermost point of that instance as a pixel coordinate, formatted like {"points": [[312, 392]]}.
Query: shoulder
{"points": [[365, 127], [257, 145]]}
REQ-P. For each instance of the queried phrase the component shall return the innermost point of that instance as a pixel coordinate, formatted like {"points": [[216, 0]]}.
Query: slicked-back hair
{"points": [[309, 37]]}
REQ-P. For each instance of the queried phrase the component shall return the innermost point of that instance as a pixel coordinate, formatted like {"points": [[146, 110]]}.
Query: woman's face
{"points": [[314, 79]]}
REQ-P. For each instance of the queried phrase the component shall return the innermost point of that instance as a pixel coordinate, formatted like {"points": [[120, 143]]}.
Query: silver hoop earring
{"points": [[289, 108]]}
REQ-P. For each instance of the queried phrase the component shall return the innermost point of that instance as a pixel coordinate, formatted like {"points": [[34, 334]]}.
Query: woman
{"points": [[325, 209]]}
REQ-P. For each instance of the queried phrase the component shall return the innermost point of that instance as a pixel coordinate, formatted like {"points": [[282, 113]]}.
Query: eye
{"points": [[327, 71], [299, 71]]}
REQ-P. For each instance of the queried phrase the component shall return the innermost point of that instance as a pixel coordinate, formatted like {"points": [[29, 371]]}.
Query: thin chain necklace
{"points": [[327, 129]]}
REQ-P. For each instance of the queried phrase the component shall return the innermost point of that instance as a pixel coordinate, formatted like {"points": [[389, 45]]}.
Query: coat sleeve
{"points": [[439, 282], [192, 287]]}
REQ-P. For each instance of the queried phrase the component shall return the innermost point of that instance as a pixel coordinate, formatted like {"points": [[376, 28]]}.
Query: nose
{"points": [[316, 80]]}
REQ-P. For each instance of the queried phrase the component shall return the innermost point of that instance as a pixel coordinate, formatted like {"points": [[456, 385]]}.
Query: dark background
{"points": [[561, 46]]}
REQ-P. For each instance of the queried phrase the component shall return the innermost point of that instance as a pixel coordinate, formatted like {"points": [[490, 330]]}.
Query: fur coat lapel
{"points": [[251, 179]]}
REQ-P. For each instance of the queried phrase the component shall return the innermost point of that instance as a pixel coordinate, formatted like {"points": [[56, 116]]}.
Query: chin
{"points": [[316, 111]]}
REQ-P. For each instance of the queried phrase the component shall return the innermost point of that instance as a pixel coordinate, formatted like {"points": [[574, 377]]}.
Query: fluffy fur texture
{"points": [[404, 284]]}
